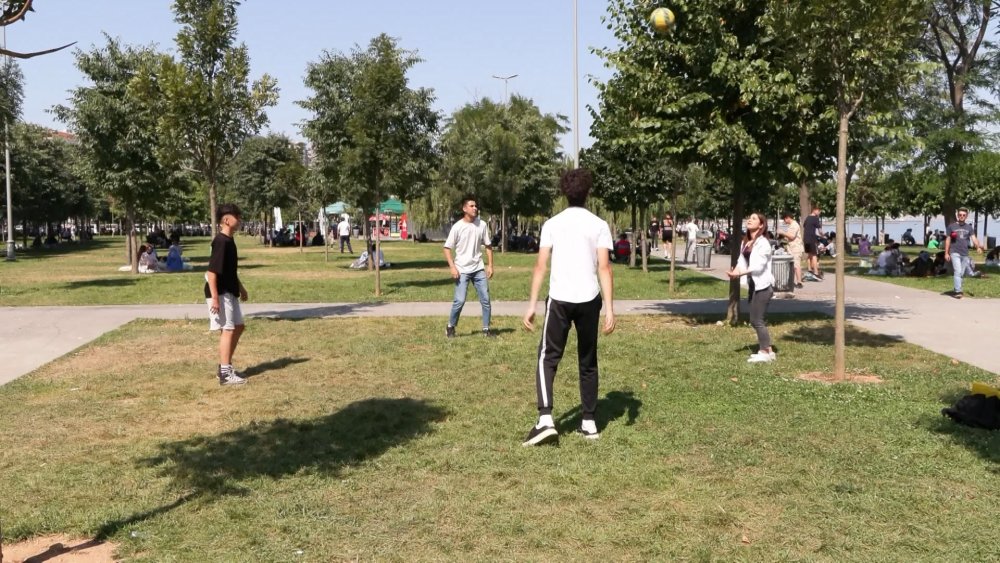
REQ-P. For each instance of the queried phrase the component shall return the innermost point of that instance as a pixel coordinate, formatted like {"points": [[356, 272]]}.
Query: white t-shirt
{"points": [[574, 237], [692, 231], [344, 228], [465, 240]]}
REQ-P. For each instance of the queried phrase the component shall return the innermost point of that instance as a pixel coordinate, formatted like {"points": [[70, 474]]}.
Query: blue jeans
{"points": [[479, 280], [960, 264]]}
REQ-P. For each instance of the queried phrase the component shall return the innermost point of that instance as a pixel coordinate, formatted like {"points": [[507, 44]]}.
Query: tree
{"points": [[373, 135], [45, 187], [506, 154], [712, 92], [115, 118], [850, 51], [211, 107], [254, 174], [956, 40]]}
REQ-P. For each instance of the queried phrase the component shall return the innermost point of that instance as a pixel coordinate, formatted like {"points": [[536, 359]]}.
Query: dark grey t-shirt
{"points": [[809, 228], [960, 233]]}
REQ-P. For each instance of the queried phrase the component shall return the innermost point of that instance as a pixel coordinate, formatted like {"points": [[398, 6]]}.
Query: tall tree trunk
{"points": [[645, 251], [302, 232], [673, 236], [805, 203], [736, 234], [631, 258], [212, 203], [131, 244], [927, 225], [839, 316], [378, 245], [503, 229]]}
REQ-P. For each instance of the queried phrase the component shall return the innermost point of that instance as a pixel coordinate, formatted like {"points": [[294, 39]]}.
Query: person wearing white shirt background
{"points": [[466, 238], [344, 231], [692, 237]]}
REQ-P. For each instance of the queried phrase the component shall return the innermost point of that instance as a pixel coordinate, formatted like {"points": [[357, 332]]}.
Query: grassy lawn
{"points": [[365, 439], [87, 275], [971, 287]]}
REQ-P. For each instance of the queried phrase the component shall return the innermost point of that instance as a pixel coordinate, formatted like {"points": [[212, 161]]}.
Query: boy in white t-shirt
{"points": [[465, 238], [579, 244]]}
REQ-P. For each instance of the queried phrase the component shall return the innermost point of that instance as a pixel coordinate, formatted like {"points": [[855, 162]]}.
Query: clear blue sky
{"points": [[463, 43]]}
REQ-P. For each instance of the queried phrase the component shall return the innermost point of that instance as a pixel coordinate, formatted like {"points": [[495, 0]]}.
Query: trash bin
{"points": [[991, 242], [703, 255], [783, 271]]}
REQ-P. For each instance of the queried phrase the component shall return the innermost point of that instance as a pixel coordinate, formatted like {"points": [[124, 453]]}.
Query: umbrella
{"points": [[336, 208]]}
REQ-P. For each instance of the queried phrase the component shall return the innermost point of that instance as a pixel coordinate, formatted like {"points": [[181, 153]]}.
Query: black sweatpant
{"points": [[558, 317]]}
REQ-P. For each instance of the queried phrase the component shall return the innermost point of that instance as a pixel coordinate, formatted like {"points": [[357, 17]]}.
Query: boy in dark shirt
{"points": [[223, 293]]}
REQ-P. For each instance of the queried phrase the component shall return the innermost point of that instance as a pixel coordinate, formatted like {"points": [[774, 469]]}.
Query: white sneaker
{"points": [[762, 357]]}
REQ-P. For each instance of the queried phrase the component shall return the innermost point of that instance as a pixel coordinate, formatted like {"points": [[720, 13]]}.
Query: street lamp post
{"points": [[576, 85], [11, 254], [505, 80]]}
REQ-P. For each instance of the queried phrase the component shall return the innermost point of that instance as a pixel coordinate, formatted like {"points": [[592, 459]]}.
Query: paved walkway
{"points": [[965, 330]]}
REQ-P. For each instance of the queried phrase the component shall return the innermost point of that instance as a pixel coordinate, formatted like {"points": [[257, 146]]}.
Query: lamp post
{"points": [[576, 85], [505, 80], [11, 251]]}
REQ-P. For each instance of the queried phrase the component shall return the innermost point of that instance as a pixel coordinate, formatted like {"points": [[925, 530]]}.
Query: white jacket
{"points": [[759, 265]]}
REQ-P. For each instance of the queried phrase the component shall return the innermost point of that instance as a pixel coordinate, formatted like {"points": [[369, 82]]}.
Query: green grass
{"points": [[87, 275], [368, 439], [971, 287]]}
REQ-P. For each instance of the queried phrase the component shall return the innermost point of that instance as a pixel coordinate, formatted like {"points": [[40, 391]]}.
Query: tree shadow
{"points": [[313, 312], [422, 283], [273, 365], [210, 467], [797, 306], [613, 406], [65, 249], [216, 465], [420, 265], [984, 443], [104, 282], [853, 336]]}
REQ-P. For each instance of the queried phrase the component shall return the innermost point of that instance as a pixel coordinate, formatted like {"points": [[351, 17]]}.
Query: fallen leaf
{"points": [[745, 540]]}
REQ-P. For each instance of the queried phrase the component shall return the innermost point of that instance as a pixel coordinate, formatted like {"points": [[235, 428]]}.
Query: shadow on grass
{"points": [[984, 443], [210, 467], [215, 465], [105, 282], [613, 406], [346, 309], [422, 283], [852, 336], [65, 249], [420, 265], [798, 306], [273, 365]]}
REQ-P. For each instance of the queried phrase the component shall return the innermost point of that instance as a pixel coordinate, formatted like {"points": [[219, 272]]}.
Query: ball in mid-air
{"points": [[662, 20]]}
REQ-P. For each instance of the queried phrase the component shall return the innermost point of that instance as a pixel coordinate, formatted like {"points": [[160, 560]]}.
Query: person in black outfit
{"points": [[810, 239], [224, 291]]}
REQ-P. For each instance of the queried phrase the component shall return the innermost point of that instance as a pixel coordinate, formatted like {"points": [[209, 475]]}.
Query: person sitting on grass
{"points": [[993, 257], [148, 262], [362, 261], [623, 248], [175, 260]]}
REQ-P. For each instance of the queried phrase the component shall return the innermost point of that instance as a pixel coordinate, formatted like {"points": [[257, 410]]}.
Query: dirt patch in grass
{"points": [[830, 378], [59, 549]]}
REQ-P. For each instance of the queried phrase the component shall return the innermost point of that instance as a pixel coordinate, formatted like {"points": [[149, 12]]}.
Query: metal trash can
{"points": [[783, 271], [703, 255]]}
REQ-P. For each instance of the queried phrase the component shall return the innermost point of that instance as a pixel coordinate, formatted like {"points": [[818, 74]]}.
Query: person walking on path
{"points": [[956, 248], [465, 238], [755, 262], [811, 228], [224, 291], [691, 228], [344, 231], [579, 244], [667, 233], [793, 235]]}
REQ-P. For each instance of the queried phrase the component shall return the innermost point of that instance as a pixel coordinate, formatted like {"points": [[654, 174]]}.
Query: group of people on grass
{"points": [[150, 263]]}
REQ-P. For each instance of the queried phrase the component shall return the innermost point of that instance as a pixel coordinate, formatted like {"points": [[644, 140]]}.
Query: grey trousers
{"points": [[759, 300]]}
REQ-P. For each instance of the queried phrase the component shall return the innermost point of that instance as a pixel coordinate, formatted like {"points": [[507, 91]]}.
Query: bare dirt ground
{"points": [[59, 549]]}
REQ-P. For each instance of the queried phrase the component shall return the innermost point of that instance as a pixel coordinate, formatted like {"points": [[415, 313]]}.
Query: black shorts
{"points": [[810, 247], [668, 236]]}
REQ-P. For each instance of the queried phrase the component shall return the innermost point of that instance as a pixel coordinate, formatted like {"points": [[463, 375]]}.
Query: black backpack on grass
{"points": [[977, 411]]}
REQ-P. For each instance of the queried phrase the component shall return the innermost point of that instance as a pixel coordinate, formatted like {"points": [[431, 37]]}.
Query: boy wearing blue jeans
{"points": [[466, 237], [956, 248]]}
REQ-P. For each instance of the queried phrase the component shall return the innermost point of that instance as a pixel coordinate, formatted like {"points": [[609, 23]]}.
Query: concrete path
{"points": [[962, 329]]}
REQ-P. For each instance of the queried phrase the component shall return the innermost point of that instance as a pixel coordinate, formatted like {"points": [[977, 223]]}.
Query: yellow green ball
{"points": [[662, 20]]}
